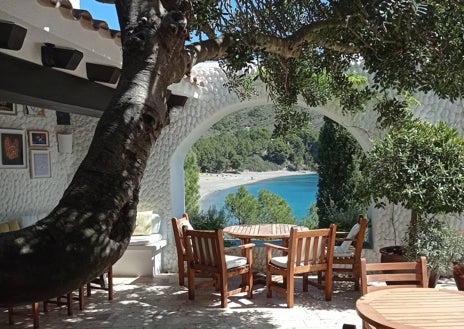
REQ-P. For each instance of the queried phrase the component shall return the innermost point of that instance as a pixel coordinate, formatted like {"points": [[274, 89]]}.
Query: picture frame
{"points": [[7, 108], [12, 148], [38, 138], [40, 164], [33, 111]]}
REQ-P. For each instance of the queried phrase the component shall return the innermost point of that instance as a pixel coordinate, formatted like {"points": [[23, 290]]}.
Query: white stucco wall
{"points": [[163, 187]]}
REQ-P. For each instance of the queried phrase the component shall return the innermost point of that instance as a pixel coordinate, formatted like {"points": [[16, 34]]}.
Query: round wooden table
{"points": [[261, 231], [407, 308]]}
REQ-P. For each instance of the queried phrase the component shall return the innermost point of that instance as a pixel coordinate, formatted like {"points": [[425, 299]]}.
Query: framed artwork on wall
{"points": [[40, 164], [38, 138], [7, 108], [12, 148], [34, 111]]}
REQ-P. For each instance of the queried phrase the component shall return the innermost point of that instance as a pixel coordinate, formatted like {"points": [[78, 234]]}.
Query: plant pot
{"points": [[433, 278], [459, 280], [392, 254]]}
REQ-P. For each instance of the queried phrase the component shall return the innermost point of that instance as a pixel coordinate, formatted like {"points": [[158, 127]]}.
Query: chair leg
{"points": [[268, 284], [191, 284], [81, 298], [110, 283], [224, 290], [180, 266], [101, 282], [250, 284], [10, 316], [34, 315], [290, 292], [328, 285]]}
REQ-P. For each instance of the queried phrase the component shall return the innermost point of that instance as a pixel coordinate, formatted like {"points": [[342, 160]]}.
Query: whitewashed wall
{"points": [[23, 195], [163, 187]]}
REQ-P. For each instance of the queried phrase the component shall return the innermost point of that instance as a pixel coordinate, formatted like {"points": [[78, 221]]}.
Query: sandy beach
{"points": [[214, 182]]}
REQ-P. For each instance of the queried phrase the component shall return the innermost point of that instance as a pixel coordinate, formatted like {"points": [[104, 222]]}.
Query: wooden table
{"points": [[407, 308], [261, 231]]}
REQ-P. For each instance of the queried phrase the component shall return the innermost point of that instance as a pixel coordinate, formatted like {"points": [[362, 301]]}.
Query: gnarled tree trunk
{"points": [[91, 226]]}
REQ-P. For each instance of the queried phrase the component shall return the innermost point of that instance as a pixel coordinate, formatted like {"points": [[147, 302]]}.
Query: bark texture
{"points": [[91, 226]]}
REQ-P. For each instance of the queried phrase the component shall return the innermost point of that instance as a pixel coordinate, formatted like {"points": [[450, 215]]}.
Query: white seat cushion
{"points": [[343, 248], [142, 240], [280, 261], [235, 261]]}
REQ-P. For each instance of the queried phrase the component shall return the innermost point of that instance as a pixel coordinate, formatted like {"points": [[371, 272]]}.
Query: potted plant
{"points": [[441, 245], [458, 274], [419, 166]]}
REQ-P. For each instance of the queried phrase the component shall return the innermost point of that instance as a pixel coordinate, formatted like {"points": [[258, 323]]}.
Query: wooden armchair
{"points": [[347, 254], [206, 254], [308, 251], [392, 275], [177, 224], [101, 284]]}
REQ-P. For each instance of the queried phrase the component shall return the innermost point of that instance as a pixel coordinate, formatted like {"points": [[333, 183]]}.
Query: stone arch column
{"points": [[208, 102]]}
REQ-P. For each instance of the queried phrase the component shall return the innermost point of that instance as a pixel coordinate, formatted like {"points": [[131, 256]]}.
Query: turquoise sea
{"points": [[298, 191]]}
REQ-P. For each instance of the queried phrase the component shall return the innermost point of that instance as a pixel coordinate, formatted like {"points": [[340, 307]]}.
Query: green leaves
{"points": [[419, 165], [266, 208]]}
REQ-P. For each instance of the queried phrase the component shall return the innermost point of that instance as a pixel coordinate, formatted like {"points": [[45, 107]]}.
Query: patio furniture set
{"points": [[393, 295]]}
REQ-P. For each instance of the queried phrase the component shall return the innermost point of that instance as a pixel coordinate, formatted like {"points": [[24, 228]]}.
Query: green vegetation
{"points": [[245, 141], [266, 208], [342, 193], [191, 178], [420, 166], [212, 219]]}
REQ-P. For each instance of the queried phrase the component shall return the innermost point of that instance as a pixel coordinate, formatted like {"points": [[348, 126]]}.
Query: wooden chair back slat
{"points": [[393, 275], [206, 255], [308, 251]]}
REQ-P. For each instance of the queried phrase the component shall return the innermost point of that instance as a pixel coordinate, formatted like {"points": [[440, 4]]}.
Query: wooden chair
{"points": [[206, 254], [347, 254], [392, 275], [32, 313], [308, 251], [100, 283], [68, 301], [178, 238]]}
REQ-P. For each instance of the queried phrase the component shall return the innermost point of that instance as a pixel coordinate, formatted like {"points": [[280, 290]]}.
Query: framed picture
{"points": [[7, 108], [38, 138], [40, 164], [34, 111], [12, 148]]}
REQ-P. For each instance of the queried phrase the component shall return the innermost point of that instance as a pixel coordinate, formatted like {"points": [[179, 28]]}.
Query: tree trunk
{"points": [[91, 226]]}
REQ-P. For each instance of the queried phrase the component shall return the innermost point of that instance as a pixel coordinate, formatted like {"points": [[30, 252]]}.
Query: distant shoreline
{"points": [[210, 183]]}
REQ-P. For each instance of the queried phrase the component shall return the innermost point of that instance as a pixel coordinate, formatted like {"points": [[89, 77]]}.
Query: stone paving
{"points": [[160, 303]]}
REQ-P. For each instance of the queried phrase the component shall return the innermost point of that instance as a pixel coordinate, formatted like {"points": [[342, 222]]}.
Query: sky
{"points": [[102, 11]]}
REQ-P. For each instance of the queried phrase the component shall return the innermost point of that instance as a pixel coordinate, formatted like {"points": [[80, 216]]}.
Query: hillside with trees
{"points": [[246, 141]]}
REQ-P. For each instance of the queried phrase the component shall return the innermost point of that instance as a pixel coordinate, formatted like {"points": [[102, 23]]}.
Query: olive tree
{"points": [[420, 166], [301, 48]]}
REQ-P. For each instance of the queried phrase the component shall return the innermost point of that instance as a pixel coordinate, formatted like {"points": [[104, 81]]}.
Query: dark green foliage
{"points": [[307, 48], [244, 141], [418, 165], [191, 178], [421, 166], [212, 219], [342, 194], [311, 219], [433, 239], [244, 208]]}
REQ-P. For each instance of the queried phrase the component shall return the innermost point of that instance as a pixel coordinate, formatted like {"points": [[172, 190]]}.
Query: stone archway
{"points": [[209, 101]]}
